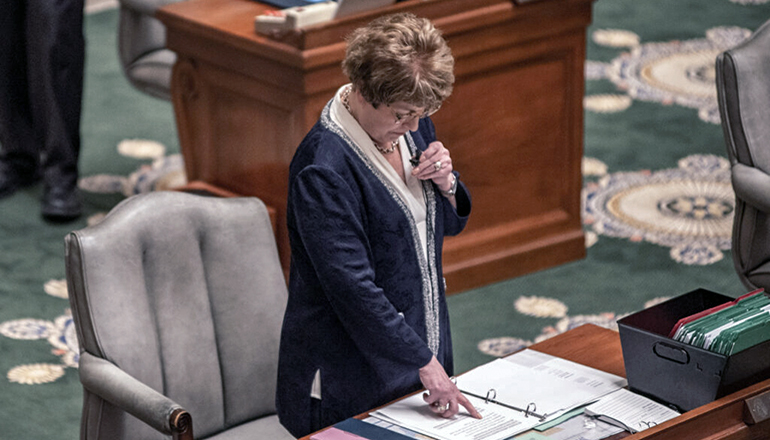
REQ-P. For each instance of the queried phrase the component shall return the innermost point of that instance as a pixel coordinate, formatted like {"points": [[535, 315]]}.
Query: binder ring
{"points": [[529, 411], [491, 394]]}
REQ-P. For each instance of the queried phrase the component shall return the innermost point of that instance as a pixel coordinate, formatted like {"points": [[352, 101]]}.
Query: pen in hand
{"points": [[415, 160]]}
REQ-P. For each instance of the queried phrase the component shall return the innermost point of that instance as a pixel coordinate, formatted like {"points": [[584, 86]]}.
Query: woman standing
{"points": [[372, 194]]}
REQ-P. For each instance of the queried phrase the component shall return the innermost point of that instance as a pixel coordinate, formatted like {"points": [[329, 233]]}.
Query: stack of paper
{"points": [[630, 411], [728, 330]]}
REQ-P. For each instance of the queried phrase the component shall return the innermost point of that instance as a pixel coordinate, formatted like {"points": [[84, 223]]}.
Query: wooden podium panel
{"points": [[514, 123]]}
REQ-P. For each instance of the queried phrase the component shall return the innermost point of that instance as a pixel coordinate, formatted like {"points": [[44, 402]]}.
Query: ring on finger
{"points": [[441, 408], [437, 165]]}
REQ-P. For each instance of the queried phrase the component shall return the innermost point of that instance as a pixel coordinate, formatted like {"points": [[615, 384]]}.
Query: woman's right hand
{"points": [[443, 396]]}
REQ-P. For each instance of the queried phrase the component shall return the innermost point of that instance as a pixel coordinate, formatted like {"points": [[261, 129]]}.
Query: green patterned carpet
{"points": [[657, 202]]}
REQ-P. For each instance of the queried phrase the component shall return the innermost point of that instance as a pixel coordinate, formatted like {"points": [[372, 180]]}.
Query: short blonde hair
{"points": [[400, 57]]}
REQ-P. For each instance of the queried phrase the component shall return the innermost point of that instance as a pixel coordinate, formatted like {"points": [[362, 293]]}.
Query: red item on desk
{"points": [[333, 433]]}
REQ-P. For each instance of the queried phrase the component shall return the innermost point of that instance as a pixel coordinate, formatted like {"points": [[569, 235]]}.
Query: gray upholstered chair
{"points": [[142, 50], [743, 89], [178, 301]]}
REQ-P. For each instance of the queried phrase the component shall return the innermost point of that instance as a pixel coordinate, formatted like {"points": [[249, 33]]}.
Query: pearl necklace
{"points": [[345, 101]]}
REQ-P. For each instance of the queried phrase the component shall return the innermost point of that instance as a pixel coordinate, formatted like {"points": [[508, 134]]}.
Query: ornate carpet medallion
{"points": [[543, 307], [499, 347], [163, 173], [607, 103], [674, 72], [59, 333], [141, 148], [689, 208]]}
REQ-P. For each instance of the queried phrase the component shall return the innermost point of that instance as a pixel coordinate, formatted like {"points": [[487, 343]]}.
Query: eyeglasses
{"points": [[411, 116]]}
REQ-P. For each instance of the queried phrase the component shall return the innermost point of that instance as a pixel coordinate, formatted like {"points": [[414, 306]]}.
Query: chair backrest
{"points": [[186, 294], [743, 90], [142, 51]]}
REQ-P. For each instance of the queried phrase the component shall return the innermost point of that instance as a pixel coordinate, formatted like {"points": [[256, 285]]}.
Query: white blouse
{"points": [[411, 192]]}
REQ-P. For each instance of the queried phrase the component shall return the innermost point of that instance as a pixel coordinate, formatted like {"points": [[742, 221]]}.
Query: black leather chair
{"points": [[178, 301], [743, 89], [145, 60]]}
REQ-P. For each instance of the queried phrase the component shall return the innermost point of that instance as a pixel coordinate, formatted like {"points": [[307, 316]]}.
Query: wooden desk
{"points": [[514, 123], [722, 419], [600, 348]]}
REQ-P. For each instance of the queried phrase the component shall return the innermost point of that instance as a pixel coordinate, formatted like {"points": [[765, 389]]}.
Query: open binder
{"points": [[513, 394], [538, 385], [498, 422], [529, 411]]}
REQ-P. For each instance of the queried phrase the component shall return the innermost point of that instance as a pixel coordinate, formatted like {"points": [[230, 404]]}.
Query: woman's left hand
{"points": [[436, 165]]}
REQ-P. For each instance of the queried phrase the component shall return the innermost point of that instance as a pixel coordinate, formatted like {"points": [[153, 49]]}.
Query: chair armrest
{"points": [[114, 385], [752, 185]]}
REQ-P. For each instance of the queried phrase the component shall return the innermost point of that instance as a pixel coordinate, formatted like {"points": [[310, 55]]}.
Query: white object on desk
{"points": [[630, 411], [296, 17]]}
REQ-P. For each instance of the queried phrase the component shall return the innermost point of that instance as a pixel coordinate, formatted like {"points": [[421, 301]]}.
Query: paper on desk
{"points": [[631, 411], [563, 417], [581, 428], [498, 422], [552, 384]]}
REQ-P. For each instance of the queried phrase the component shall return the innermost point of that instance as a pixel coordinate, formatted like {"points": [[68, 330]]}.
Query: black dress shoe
{"points": [[61, 203], [12, 180]]}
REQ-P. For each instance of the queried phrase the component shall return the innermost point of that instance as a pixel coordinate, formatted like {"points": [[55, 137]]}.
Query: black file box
{"points": [[678, 374]]}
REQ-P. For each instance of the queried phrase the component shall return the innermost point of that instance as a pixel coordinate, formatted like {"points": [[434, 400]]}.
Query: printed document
{"points": [[630, 411], [580, 428], [498, 422], [545, 384]]}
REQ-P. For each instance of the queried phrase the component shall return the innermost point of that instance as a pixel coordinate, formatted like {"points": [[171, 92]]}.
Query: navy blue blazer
{"points": [[365, 307]]}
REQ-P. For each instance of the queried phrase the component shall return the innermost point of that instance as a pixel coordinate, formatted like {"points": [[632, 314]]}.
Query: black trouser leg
{"points": [[19, 141], [56, 52]]}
